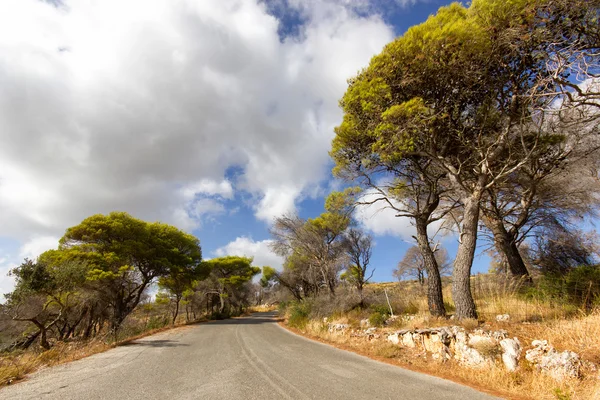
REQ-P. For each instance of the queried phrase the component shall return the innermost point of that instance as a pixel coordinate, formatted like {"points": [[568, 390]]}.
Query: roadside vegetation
{"points": [[95, 291], [480, 125]]}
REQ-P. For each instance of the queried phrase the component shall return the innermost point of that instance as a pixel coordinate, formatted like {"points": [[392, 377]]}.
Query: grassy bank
{"points": [[563, 326]]}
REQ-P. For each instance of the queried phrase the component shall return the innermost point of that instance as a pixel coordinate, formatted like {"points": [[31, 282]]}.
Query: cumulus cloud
{"points": [[379, 219], [259, 250], [36, 246], [6, 282], [147, 107], [141, 106]]}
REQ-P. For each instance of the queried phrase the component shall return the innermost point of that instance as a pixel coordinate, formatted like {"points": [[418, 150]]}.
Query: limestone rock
{"points": [[503, 318], [370, 331], [393, 338], [511, 351], [335, 328], [559, 365]]}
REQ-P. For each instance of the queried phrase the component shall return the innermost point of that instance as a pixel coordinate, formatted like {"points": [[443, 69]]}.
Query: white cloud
{"points": [[260, 251], [380, 219], [6, 282], [144, 106], [208, 187], [36, 246]]}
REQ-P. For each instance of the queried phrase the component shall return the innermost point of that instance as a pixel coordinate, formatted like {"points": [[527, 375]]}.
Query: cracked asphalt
{"points": [[244, 358]]}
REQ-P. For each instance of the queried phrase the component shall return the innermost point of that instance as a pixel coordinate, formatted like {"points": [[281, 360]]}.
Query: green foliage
{"points": [[299, 313], [380, 313], [580, 287], [377, 319], [232, 270], [117, 243], [450, 308], [268, 274], [342, 202], [124, 254], [157, 322], [31, 277], [561, 395]]}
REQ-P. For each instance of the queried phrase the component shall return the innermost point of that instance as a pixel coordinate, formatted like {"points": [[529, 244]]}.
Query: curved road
{"points": [[245, 358]]}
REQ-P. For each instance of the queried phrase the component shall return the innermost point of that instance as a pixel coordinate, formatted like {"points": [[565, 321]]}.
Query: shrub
{"points": [[157, 322], [580, 287], [377, 319], [380, 314], [411, 308], [299, 313]]}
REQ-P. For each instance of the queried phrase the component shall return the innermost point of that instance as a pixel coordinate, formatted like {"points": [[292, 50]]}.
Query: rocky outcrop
{"points": [[559, 365], [479, 348], [474, 349], [337, 328], [511, 351]]}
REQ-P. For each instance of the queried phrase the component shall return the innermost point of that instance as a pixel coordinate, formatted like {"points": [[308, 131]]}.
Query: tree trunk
{"points": [[507, 248], [43, 334], [435, 298], [222, 307], [176, 312], [461, 275]]}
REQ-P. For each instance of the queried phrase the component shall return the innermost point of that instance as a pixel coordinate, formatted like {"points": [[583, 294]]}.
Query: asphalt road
{"points": [[246, 358]]}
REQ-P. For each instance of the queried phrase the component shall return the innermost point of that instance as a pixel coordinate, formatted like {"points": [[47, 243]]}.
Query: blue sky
{"points": [[215, 116]]}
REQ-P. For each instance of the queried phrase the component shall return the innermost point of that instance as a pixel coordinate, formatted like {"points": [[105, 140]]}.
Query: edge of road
{"points": [[292, 331], [109, 346]]}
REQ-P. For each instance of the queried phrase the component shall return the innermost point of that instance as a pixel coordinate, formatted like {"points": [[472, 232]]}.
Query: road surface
{"points": [[245, 358]]}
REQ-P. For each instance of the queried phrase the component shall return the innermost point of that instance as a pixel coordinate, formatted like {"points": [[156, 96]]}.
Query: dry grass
{"points": [[17, 365], [262, 308], [526, 383], [561, 325]]}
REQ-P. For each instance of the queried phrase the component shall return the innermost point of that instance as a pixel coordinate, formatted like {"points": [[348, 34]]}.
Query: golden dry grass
{"points": [[564, 329], [17, 365], [262, 308], [526, 383]]}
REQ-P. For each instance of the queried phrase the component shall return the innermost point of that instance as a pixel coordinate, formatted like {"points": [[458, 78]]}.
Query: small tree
{"points": [[412, 265], [358, 247], [228, 277]]}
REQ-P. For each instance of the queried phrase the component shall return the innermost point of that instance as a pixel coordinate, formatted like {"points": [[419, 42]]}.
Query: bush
{"points": [[299, 313], [156, 322], [379, 315], [449, 307], [411, 308], [377, 319], [580, 287]]}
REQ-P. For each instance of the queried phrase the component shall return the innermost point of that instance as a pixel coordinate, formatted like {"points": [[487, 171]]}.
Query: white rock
{"points": [[558, 365], [408, 340], [511, 351], [337, 327], [364, 323], [393, 338], [503, 318]]}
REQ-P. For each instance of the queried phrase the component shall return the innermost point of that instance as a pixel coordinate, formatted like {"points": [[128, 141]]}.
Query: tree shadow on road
{"points": [[253, 319], [155, 343]]}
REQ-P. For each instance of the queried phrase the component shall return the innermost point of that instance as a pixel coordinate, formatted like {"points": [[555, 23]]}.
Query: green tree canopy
{"points": [[125, 255], [467, 91]]}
